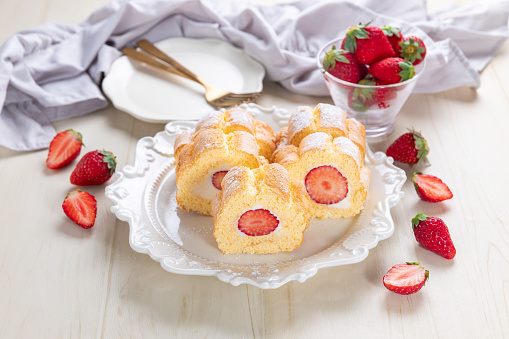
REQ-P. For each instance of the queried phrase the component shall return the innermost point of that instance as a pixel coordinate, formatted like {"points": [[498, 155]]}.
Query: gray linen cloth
{"points": [[53, 71]]}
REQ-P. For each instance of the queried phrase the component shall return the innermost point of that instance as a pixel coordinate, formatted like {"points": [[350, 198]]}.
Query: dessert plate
{"points": [[143, 195], [155, 96]]}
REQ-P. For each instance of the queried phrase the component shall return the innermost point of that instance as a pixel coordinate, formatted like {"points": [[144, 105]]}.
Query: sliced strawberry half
{"points": [[80, 207], [430, 188], [217, 179], [257, 222], [406, 278], [64, 148], [326, 185]]}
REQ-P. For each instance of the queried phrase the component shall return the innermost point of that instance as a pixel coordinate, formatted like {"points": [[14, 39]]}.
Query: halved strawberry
{"points": [[80, 207], [406, 278], [326, 185], [64, 148], [257, 222], [217, 179], [430, 188]]}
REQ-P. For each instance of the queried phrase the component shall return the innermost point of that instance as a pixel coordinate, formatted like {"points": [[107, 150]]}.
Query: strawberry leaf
{"points": [[418, 218], [329, 61], [390, 31], [407, 71], [110, 159]]}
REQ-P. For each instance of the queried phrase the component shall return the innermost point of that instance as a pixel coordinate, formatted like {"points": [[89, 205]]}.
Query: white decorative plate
{"points": [[144, 195], [155, 96]]}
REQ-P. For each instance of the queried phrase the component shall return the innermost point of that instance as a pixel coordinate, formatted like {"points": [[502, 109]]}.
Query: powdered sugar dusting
{"points": [[300, 119], [313, 141], [238, 116], [209, 120], [347, 147], [331, 116]]}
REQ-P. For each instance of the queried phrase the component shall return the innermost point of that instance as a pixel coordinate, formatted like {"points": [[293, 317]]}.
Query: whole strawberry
{"points": [[343, 65], [430, 188], [406, 278], [392, 70], [394, 36], [433, 234], [368, 43], [410, 148], [94, 168], [379, 94], [64, 148], [412, 49]]}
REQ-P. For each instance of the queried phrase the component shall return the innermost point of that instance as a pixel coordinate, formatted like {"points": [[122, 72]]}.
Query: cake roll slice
{"points": [[332, 172], [259, 211]]}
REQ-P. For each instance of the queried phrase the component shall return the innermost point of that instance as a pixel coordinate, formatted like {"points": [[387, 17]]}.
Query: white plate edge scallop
{"points": [[156, 152], [120, 72]]}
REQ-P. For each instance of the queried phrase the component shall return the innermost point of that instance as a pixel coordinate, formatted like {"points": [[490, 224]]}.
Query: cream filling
{"points": [[256, 207], [204, 188], [346, 203]]}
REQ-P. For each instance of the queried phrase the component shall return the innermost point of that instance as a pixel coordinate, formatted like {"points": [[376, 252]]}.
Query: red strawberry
{"points": [[430, 188], [394, 36], [217, 179], [406, 278], [412, 49], [94, 168], [384, 95], [359, 100], [392, 70], [80, 207], [368, 43], [410, 148], [343, 65], [64, 148], [257, 222], [432, 234], [326, 185], [373, 95]]}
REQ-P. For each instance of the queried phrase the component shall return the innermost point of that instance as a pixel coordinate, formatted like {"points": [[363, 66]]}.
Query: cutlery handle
{"points": [[146, 59], [151, 49]]}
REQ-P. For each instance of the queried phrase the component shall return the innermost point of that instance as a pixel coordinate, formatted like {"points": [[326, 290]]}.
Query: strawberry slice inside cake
{"points": [[217, 179], [326, 185], [258, 222]]}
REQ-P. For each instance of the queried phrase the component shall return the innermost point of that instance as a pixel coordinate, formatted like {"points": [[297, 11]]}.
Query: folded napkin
{"points": [[53, 71]]}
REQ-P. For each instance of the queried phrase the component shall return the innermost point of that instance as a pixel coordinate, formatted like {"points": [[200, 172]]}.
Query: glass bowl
{"points": [[376, 107]]}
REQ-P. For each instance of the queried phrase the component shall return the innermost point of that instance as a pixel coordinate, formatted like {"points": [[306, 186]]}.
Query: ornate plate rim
{"points": [[150, 150]]}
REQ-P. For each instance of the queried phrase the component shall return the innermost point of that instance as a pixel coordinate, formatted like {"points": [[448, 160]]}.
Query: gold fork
{"points": [[156, 58]]}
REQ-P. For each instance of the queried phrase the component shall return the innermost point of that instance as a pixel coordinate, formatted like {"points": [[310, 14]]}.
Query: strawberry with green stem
{"points": [[343, 65], [410, 148], [433, 234], [368, 43], [406, 278], [95, 168], [64, 148], [394, 36], [412, 49], [392, 70]]}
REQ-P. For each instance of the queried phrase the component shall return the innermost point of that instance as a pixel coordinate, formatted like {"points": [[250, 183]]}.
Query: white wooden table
{"points": [[60, 281]]}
